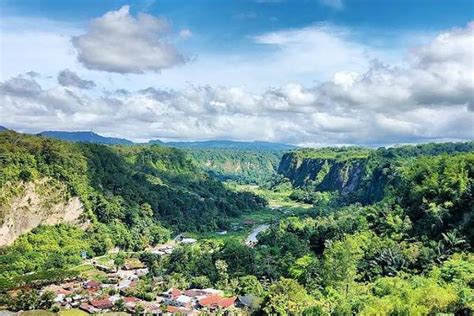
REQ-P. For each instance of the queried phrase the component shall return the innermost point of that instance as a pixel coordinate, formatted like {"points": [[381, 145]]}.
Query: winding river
{"points": [[252, 237]]}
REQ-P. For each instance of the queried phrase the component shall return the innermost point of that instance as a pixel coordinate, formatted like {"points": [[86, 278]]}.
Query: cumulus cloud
{"points": [[20, 87], [429, 98], [68, 78], [122, 43]]}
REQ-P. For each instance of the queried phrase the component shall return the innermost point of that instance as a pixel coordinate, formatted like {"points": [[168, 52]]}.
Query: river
{"points": [[252, 237]]}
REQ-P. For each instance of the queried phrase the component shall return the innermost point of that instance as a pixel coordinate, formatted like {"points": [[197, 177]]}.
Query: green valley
{"points": [[336, 231]]}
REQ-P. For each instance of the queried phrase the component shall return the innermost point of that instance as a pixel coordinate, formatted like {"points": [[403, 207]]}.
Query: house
{"points": [[213, 302], [92, 285], [180, 310], [199, 293], [183, 300], [61, 295], [172, 294], [102, 304], [194, 293], [210, 291], [131, 302]]}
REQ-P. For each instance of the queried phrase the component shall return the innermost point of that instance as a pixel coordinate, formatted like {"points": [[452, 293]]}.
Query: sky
{"points": [[305, 72]]}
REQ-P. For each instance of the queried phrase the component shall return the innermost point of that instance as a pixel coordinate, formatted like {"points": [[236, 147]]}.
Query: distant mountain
{"points": [[226, 144], [2, 128], [91, 137], [86, 137]]}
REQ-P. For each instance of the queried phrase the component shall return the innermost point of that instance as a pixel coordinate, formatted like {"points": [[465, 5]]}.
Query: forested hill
{"points": [[128, 192], [358, 174], [86, 137], [240, 165], [92, 137], [228, 144]]}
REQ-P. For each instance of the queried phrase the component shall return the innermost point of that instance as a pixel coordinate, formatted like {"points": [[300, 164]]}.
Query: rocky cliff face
{"points": [[323, 174], [33, 204]]}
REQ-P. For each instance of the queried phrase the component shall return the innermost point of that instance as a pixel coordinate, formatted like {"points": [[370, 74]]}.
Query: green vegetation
{"points": [[133, 196], [241, 165], [410, 253], [352, 173], [387, 231], [333, 153]]}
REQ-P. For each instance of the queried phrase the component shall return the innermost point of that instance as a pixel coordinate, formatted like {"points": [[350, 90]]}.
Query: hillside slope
{"points": [[241, 165], [129, 191]]}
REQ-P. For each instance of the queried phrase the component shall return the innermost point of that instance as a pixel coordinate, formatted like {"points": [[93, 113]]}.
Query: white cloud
{"points": [[300, 57], [428, 98], [315, 52], [119, 42], [68, 78]]}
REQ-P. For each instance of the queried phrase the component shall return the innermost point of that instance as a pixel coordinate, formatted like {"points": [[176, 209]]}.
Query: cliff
{"points": [[322, 174], [364, 174], [33, 204]]}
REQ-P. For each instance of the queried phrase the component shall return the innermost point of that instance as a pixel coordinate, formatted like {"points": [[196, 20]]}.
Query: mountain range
{"points": [[92, 137]]}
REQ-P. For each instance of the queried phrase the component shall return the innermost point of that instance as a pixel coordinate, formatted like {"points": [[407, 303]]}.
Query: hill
{"points": [[86, 137], [129, 196], [227, 144], [240, 165]]}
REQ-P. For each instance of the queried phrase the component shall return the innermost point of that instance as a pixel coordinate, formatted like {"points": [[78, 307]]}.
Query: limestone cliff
{"points": [[32, 204]]}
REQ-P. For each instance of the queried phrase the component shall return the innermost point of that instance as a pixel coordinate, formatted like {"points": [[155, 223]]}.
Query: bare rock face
{"points": [[34, 204]]}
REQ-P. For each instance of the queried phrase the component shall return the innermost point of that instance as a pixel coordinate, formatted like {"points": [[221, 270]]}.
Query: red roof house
{"points": [[130, 299], [180, 310], [216, 301], [91, 284], [102, 304], [173, 293]]}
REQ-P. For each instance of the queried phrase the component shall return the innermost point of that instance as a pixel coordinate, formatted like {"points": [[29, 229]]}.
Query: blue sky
{"points": [[223, 24], [308, 72]]}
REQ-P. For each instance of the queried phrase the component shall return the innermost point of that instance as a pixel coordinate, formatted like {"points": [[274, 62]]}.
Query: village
{"points": [[94, 297], [113, 293]]}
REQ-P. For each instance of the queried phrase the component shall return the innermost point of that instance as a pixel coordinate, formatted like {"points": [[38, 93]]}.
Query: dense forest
{"points": [[239, 165], [389, 231]]}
